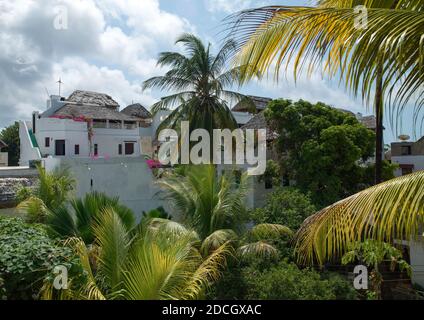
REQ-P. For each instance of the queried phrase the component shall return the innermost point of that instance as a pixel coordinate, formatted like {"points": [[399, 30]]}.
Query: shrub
{"points": [[287, 206], [28, 257], [282, 281]]}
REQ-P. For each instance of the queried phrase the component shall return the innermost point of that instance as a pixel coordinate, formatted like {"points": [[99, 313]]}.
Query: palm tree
{"points": [[52, 190], [78, 218], [160, 262], [214, 207], [199, 79], [385, 212], [385, 57]]}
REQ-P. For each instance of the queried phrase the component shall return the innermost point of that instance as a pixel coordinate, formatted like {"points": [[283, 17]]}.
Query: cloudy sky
{"points": [[111, 46]]}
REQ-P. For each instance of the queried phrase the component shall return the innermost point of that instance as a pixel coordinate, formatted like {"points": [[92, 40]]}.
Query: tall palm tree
{"points": [[385, 57], [391, 210], [159, 262], [214, 206], [199, 79]]}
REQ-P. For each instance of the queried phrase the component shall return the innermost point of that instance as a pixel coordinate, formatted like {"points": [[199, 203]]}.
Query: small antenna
{"points": [[60, 84]]}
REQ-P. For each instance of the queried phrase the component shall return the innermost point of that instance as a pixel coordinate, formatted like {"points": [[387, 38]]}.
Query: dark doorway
{"points": [[59, 147], [129, 148]]}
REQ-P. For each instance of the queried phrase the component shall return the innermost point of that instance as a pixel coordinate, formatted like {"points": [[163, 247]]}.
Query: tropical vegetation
{"points": [[378, 57], [10, 136], [327, 151], [201, 81]]}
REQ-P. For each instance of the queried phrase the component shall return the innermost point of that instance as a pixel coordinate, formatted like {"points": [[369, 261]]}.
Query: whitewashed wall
{"points": [[27, 151], [76, 133], [417, 161], [128, 178]]}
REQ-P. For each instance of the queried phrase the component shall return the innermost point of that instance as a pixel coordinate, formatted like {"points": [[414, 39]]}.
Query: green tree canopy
{"points": [[322, 148], [10, 135], [285, 206]]}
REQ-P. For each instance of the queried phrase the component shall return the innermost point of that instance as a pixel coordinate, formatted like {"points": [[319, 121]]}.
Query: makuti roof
{"points": [[137, 110], [92, 105]]}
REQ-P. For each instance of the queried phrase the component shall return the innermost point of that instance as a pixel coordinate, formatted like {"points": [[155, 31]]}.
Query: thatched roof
{"points": [[92, 112], [369, 121], [260, 104], [92, 98], [259, 122], [92, 105], [137, 110]]}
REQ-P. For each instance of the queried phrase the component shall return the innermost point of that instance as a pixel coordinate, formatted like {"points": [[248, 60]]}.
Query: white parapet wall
{"points": [[4, 159], [27, 151], [130, 179], [416, 251]]}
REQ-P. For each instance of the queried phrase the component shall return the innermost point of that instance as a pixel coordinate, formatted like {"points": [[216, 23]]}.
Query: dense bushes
{"points": [[288, 207], [28, 257], [281, 281]]}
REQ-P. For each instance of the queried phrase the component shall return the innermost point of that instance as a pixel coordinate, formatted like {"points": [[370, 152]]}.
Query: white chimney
{"points": [[55, 103]]}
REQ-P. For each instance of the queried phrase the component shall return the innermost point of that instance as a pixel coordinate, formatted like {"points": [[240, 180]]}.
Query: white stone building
{"points": [[103, 147]]}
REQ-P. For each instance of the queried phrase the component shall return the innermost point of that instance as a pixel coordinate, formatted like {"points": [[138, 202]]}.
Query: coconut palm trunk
{"points": [[379, 125]]}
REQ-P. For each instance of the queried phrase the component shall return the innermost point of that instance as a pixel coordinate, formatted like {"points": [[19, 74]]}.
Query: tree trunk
{"points": [[378, 107]]}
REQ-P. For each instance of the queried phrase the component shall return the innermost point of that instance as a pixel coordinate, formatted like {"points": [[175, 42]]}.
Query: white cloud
{"points": [[108, 46], [233, 6], [81, 75]]}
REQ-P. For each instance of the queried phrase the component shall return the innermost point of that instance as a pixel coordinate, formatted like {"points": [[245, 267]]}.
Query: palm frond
{"points": [[259, 249], [216, 240], [113, 239], [386, 212], [326, 39], [266, 231]]}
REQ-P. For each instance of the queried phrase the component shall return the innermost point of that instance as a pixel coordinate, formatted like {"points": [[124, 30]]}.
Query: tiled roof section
{"points": [[92, 98], [92, 112], [259, 122], [137, 110], [259, 102]]}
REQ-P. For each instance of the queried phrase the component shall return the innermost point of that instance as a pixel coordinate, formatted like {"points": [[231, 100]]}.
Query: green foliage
{"points": [[373, 253], [160, 261], [10, 135], [198, 80], [272, 173], [28, 257], [213, 205], [51, 192], [280, 281], [387, 172], [159, 212], [321, 148], [286, 206], [207, 202], [78, 219]]}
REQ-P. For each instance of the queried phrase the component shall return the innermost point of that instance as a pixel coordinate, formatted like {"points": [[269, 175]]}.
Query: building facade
{"points": [[409, 156]]}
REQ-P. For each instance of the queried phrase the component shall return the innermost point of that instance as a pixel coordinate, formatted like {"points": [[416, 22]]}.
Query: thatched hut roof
{"points": [[92, 112], [92, 105], [92, 98], [369, 121], [259, 122], [260, 103], [137, 110]]}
